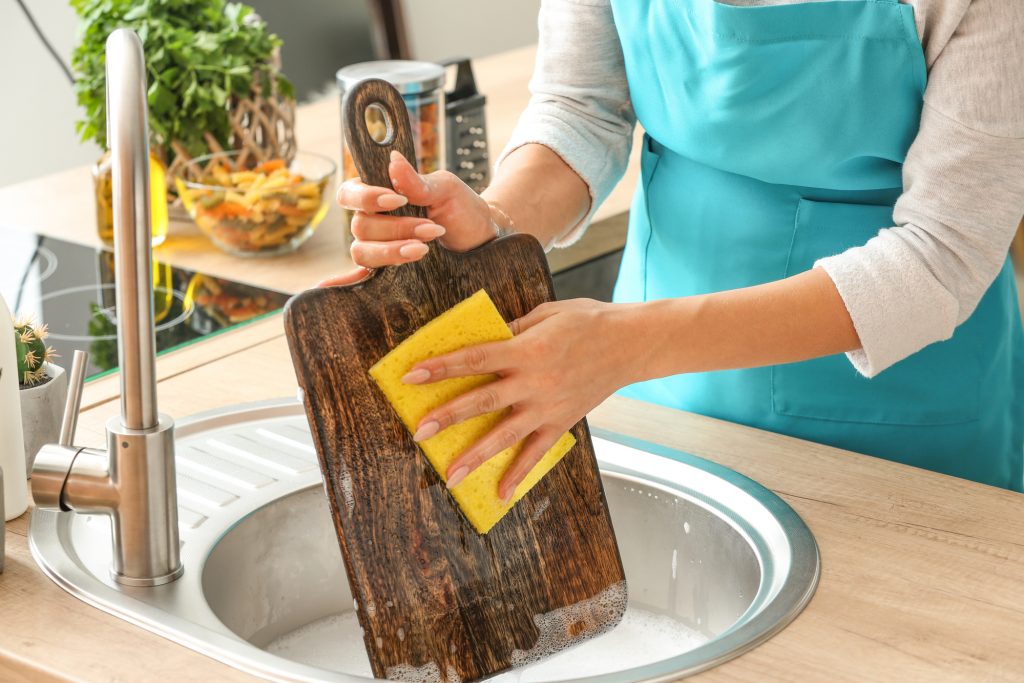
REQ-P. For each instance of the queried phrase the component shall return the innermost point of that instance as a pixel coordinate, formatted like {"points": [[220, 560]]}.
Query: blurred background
{"points": [[37, 132], [320, 36]]}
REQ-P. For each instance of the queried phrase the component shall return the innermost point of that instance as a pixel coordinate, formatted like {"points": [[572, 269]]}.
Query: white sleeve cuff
{"points": [[897, 305]]}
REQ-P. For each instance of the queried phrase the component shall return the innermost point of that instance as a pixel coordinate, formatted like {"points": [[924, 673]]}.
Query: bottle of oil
{"points": [[104, 187]]}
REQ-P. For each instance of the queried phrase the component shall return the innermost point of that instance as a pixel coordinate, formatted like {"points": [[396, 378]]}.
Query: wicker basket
{"points": [[262, 128]]}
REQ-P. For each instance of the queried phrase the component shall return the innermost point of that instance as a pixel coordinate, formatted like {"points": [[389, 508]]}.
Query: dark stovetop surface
{"points": [[70, 287]]}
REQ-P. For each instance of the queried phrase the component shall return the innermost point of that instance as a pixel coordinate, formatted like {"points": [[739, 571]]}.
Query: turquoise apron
{"points": [[776, 136]]}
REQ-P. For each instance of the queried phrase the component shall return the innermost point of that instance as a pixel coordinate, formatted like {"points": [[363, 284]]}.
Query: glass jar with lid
{"points": [[421, 85]]}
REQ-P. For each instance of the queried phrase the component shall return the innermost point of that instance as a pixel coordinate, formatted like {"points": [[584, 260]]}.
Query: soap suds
{"points": [[557, 626], [333, 643], [541, 509], [346, 492], [336, 643], [641, 638], [428, 673]]}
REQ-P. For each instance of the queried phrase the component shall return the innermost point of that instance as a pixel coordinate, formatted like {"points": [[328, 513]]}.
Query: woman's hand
{"points": [[457, 215], [565, 358]]}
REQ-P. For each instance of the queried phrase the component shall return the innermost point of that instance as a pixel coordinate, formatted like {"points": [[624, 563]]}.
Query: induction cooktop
{"points": [[70, 287]]}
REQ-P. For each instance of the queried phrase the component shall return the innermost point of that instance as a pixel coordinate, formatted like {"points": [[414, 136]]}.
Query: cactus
{"points": [[32, 351]]}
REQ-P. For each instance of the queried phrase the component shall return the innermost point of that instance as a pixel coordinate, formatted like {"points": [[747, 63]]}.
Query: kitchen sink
{"points": [[715, 563]]}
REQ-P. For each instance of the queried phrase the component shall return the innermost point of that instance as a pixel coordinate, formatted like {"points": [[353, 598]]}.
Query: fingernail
{"points": [[506, 497], [417, 376], [389, 202], [426, 431], [457, 476], [428, 231], [415, 250], [396, 155]]}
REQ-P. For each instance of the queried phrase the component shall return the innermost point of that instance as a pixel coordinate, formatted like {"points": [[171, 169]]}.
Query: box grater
{"points": [[466, 129]]}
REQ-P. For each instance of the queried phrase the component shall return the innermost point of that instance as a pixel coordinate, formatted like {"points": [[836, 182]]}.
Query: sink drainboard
{"points": [[715, 563]]}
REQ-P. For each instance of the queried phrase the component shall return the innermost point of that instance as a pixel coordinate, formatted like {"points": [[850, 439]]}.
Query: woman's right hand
{"points": [[456, 215]]}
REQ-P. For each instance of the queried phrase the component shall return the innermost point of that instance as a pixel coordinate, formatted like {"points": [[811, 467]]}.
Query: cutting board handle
{"points": [[375, 100]]}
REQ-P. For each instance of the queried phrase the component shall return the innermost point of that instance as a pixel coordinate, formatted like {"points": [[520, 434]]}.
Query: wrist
{"points": [[656, 333], [628, 329], [501, 223]]}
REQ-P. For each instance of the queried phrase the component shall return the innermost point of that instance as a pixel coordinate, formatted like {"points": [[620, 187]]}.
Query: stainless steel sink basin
{"points": [[715, 563]]}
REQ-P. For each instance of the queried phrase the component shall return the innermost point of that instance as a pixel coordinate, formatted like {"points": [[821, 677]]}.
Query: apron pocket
{"points": [[938, 385]]}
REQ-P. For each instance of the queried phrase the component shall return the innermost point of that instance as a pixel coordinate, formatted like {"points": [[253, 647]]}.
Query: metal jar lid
{"points": [[409, 77]]}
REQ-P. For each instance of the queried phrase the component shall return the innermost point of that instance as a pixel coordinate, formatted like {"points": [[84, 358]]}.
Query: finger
{"points": [[536, 447], [480, 401], [505, 434], [422, 190], [481, 359], [371, 227], [357, 274], [542, 312], [378, 254], [356, 195]]}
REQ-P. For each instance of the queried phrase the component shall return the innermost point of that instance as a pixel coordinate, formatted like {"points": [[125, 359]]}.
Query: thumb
{"points": [[537, 315], [417, 188]]}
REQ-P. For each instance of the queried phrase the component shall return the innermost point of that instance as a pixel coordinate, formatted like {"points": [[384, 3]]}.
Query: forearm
{"points": [[538, 193], [794, 319]]}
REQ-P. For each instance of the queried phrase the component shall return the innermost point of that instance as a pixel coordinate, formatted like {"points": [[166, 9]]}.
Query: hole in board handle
{"points": [[378, 124]]}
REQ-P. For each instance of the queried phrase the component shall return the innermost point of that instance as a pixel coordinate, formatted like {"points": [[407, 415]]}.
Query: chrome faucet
{"points": [[133, 481]]}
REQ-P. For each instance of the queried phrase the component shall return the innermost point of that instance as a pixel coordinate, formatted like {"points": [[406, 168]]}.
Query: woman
{"points": [[818, 178]]}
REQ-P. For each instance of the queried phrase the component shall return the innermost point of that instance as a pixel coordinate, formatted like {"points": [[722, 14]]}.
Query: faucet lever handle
{"points": [[76, 380]]}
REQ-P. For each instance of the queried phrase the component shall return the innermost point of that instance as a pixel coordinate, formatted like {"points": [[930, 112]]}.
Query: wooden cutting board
{"points": [[436, 600]]}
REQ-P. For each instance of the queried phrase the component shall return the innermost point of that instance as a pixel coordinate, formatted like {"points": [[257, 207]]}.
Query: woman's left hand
{"points": [[565, 358]]}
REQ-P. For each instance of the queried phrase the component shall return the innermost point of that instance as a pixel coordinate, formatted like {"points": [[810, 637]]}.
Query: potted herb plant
{"points": [[214, 84], [44, 388]]}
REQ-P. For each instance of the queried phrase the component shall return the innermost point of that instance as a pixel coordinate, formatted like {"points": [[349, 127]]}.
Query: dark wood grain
{"points": [[429, 588]]}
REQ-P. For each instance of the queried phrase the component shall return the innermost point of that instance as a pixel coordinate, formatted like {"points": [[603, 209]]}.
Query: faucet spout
{"points": [[128, 134], [134, 481]]}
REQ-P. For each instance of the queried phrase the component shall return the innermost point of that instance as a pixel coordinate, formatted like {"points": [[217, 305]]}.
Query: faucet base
{"points": [[145, 518], [147, 581]]}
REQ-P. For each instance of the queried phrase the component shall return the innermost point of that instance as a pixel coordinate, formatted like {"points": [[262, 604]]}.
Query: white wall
{"points": [[439, 29], [37, 105]]}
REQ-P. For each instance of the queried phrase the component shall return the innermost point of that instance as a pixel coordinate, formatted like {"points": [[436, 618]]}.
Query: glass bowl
{"points": [[256, 209]]}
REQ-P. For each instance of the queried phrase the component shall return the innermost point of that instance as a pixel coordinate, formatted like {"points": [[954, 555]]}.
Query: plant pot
{"points": [[42, 409]]}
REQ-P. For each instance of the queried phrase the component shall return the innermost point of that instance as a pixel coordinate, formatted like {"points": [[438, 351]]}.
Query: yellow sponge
{"points": [[470, 322]]}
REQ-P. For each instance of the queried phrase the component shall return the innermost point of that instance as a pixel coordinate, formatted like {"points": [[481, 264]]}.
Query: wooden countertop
{"points": [[923, 574], [62, 205]]}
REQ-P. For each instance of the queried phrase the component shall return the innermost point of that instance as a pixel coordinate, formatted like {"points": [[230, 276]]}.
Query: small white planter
{"points": [[42, 409]]}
